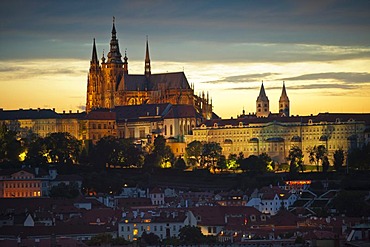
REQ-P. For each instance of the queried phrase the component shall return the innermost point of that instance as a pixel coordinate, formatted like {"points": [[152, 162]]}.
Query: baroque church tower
{"points": [[284, 103], [262, 104]]}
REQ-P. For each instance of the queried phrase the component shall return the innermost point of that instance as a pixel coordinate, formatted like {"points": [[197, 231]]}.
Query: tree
{"points": [[232, 162], [161, 155], [221, 162], [338, 158], [193, 151], [62, 147], [111, 151], [65, 191], [359, 158], [210, 153], [180, 164], [325, 164], [190, 235], [317, 154], [267, 161], [150, 239], [10, 147], [295, 158]]}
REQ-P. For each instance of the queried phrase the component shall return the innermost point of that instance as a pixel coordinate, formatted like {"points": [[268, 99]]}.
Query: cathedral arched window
{"points": [[171, 130], [165, 130]]}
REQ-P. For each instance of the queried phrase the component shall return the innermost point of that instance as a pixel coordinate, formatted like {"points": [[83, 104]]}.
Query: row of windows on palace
{"points": [[296, 131], [267, 149], [22, 185], [22, 194], [147, 228]]}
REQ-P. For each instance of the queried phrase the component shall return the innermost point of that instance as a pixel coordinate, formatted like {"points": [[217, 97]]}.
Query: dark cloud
{"points": [[243, 78], [345, 77], [26, 25], [327, 86]]}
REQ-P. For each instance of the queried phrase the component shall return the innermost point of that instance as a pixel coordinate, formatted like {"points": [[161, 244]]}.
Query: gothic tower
{"points": [[113, 71], [94, 83], [284, 103], [262, 104], [147, 70]]}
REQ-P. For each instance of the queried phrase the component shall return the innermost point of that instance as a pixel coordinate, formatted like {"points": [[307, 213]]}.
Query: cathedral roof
{"points": [[175, 80]]}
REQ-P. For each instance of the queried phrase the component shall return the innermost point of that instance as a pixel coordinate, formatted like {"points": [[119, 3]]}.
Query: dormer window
{"points": [[253, 218]]}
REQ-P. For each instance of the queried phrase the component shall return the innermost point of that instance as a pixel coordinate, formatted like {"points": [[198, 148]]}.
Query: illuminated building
{"points": [[164, 223], [110, 85], [20, 184], [276, 133]]}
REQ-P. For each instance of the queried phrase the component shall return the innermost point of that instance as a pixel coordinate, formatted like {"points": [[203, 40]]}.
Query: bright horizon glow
{"points": [[61, 84]]}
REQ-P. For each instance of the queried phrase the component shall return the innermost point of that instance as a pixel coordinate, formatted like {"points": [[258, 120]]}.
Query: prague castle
{"points": [[140, 107], [110, 84]]}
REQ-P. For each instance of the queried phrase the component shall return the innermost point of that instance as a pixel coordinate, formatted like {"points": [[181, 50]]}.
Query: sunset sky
{"points": [[321, 49]]}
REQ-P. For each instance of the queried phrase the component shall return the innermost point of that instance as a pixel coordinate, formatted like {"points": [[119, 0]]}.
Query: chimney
{"points": [[70, 111]]}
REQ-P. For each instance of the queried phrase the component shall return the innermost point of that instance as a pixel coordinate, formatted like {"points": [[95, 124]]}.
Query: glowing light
{"points": [[22, 156]]}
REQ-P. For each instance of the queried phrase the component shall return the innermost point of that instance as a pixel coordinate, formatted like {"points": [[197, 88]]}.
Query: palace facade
{"points": [[110, 85], [276, 133]]}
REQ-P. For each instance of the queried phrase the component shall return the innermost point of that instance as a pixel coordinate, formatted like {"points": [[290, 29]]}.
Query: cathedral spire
{"points": [[262, 96], [114, 55], [94, 57], [147, 70], [284, 103], [262, 104]]}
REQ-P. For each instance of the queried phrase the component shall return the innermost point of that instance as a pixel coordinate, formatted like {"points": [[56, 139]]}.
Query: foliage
{"points": [[317, 154], [259, 164], [180, 164], [150, 239], [190, 235], [352, 203], [211, 153], [232, 162], [114, 152], [338, 158], [66, 191], [360, 158], [62, 147], [106, 239], [267, 161], [161, 156], [325, 164], [193, 151], [10, 147], [295, 158], [221, 162]]}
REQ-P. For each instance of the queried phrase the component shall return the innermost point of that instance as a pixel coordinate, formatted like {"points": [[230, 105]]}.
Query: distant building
{"points": [[28, 183], [164, 223], [276, 133]]}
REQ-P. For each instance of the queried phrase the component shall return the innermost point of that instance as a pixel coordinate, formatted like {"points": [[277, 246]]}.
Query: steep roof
{"points": [[262, 96], [145, 111], [173, 80]]}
